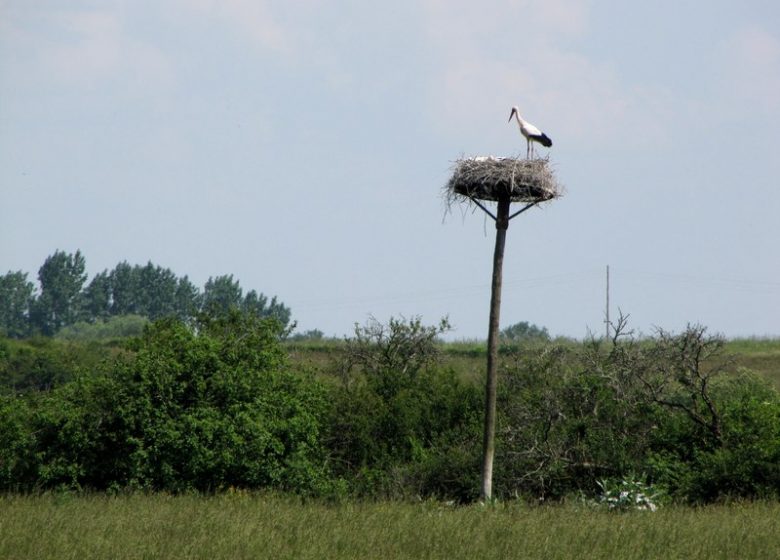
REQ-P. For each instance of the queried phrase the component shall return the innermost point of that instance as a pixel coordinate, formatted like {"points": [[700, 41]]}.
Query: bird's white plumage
{"points": [[528, 129]]}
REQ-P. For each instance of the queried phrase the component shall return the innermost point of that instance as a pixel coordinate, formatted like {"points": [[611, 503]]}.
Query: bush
{"points": [[215, 405], [17, 463], [201, 410], [569, 417], [400, 423], [42, 363], [671, 407], [746, 463]]}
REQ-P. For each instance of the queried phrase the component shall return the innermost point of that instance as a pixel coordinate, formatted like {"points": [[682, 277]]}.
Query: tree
{"points": [[96, 300], [523, 331], [61, 278], [221, 294], [16, 296], [148, 291], [187, 299], [257, 304], [157, 291], [124, 290]]}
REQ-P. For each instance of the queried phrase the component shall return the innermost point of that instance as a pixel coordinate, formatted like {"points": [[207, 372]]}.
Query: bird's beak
{"points": [[512, 114]]}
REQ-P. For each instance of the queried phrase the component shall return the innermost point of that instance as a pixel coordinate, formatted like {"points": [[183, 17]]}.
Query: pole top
{"points": [[491, 178]]}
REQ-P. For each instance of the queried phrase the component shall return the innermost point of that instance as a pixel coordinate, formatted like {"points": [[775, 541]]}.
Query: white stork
{"points": [[531, 133]]}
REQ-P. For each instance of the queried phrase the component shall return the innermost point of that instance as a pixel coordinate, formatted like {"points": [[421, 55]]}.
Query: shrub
{"points": [[193, 409], [744, 463], [17, 462], [401, 423], [671, 406]]}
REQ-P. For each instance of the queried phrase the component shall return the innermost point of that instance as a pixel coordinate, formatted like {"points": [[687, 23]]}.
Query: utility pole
{"points": [[606, 320]]}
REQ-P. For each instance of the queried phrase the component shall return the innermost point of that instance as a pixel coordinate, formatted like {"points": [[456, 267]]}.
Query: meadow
{"points": [[761, 355], [259, 525]]}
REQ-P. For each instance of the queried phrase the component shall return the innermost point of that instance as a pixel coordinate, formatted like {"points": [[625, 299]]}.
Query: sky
{"points": [[302, 146]]}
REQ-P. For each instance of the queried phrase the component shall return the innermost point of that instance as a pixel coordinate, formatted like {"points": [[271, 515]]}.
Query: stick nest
{"points": [[489, 177]]}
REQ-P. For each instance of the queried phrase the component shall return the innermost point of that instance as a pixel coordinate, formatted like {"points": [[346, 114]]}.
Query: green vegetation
{"points": [[183, 412], [240, 525], [390, 412], [524, 331], [65, 300], [759, 355], [225, 437]]}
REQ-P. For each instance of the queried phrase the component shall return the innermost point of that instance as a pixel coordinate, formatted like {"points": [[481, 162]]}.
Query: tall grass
{"points": [[260, 526]]}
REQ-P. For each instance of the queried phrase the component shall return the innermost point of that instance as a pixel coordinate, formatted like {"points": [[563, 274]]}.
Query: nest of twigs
{"points": [[490, 178]]}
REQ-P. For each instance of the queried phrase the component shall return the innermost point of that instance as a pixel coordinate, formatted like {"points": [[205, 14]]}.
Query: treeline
{"points": [[217, 404], [63, 297]]}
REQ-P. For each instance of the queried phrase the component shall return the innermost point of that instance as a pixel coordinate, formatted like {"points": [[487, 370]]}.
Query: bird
{"points": [[531, 133]]}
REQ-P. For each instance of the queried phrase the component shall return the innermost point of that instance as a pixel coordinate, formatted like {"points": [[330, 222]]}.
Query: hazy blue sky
{"points": [[302, 146]]}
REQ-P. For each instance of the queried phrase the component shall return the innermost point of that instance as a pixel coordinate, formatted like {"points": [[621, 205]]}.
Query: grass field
{"points": [[262, 526], [468, 358]]}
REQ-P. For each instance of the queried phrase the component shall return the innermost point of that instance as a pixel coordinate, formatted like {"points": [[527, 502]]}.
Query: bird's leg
{"points": [[527, 149]]}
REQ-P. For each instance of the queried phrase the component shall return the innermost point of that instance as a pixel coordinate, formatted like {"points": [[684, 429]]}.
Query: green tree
{"points": [[124, 290], [222, 294], [524, 331], [187, 299], [258, 305], [156, 291], [61, 278], [16, 296], [96, 298]]}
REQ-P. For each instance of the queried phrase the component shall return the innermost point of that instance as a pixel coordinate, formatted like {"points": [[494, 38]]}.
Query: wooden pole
{"points": [[607, 310], [491, 384]]}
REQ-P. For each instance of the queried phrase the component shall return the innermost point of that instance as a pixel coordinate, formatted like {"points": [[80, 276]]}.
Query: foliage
{"points": [[112, 328], [670, 406], [41, 363], [203, 410], [400, 422], [223, 294], [61, 278], [523, 331], [213, 403], [16, 297], [310, 335], [745, 461], [150, 291], [568, 417], [16, 442]]}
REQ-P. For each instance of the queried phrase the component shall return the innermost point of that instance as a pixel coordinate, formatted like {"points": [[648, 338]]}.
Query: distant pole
{"points": [[607, 313], [489, 436]]}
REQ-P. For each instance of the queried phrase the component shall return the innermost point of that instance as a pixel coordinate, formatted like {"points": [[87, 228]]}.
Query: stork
{"points": [[531, 133]]}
